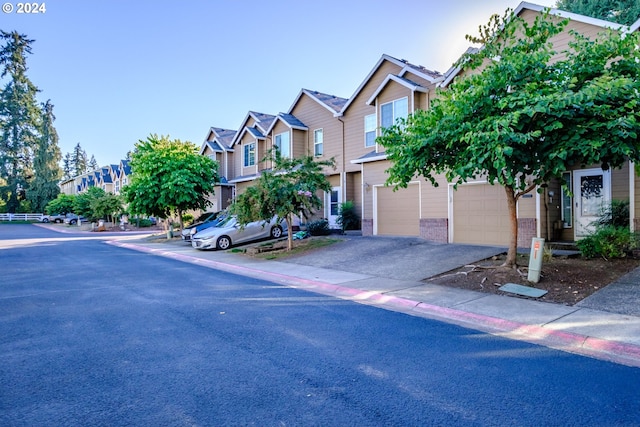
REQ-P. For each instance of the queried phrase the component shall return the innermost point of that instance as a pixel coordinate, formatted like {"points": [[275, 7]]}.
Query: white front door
{"points": [[332, 206], [592, 194]]}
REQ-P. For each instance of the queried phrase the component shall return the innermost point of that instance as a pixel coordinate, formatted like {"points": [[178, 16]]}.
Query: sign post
{"points": [[535, 259]]}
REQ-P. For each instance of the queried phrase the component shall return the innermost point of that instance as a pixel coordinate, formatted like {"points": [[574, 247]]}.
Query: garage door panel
{"points": [[480, 215], [398, 212]]}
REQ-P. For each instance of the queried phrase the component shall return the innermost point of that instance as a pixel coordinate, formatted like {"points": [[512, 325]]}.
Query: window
{"points": [[249, 154], [370, 130], [392, 111], [567, 205], [317, 142], [282, 145]]}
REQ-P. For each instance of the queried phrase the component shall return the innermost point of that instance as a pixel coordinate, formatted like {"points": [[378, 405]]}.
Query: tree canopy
{"points": [[290, 188], [624, 12], [521, 119], [169, 176]]}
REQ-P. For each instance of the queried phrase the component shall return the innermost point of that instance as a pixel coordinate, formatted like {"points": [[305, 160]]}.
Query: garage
{"points": [[397, 212], [480, 215]]}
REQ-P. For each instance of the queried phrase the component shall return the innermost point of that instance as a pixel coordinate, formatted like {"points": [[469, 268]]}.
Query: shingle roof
{"points": [[291, 120], [224, 136], [334, 102]]}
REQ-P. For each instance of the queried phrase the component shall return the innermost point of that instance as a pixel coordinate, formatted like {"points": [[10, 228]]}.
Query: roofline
{"points": [[243, 126], [379, 157], [399, 80], [289, 125], [310, 94]]}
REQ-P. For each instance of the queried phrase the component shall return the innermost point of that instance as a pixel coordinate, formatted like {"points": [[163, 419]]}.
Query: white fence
{"points": [[20, 216]]}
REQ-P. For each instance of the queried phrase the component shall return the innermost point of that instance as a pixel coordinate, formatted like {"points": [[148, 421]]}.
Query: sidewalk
{"points": [[582, 329]]}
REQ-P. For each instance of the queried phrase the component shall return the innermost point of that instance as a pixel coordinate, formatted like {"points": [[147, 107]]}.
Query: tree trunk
{"points": [[513, 223], [289, 232]]}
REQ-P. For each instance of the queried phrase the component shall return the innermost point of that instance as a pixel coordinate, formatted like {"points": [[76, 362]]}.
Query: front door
{"points": [[333, 207], [592, 194]]}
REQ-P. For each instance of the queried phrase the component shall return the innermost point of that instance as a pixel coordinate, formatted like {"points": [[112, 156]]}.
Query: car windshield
{"points": [[227, 222]]}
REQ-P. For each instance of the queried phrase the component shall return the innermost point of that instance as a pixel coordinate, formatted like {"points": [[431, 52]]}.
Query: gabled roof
{"points": [[401, 80], [431, 76], [288, 119], [218, 139], [454, 71], [331, 102], [263, 122], [124, 164]]}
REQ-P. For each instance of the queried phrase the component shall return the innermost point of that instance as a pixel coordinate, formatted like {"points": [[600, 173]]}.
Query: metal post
{"points": [[535, 259]]}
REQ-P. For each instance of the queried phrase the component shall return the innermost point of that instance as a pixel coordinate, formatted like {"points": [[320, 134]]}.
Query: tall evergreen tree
{"points": [[79, 163], [47, 173], [93, 164], [19, 118], [67, 171], [620, 11]]}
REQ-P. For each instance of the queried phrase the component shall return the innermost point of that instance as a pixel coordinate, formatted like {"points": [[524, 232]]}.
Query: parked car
{"points": [[57, 218], [229, 232], [205, 220], [72, 219]]}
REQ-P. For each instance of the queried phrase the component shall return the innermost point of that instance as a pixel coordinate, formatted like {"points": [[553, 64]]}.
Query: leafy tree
{"points": [[169, 176], [63, 204], [107, 206], [67, 172], [82, 205], [19, 115], [523, 120], [290, 188], [47, 173], [620, 11]]}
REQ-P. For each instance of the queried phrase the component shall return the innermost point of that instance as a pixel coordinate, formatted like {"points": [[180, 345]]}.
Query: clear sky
{"points": [[119, 70]]}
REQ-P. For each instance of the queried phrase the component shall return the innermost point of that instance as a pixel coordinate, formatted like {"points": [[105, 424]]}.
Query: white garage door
{"points": [[398, 212], [480, 215]]}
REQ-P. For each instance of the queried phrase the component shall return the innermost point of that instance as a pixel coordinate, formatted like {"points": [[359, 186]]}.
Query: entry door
{"points": [[333, 207], [592, 194]]}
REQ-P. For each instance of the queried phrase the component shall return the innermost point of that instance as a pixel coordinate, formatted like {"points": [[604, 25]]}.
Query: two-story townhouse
{"points": [[324, 140], [393, 89], [476, 212], [217, 146]]}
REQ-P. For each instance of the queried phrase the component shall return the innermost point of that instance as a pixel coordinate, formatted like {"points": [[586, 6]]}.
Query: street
{"points": [[92, 334]]}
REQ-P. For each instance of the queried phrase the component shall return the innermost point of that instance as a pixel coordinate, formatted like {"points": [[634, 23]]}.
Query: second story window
{"points": [[370, 130], [317, 142], [283, 145], [391, 111], [249, 154]]}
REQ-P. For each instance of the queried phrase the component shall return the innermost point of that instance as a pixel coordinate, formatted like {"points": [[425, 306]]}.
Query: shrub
{"points": [[616, 214], [187, 218], [144, 223], [608, 242], [348, 219], [319, 228]]}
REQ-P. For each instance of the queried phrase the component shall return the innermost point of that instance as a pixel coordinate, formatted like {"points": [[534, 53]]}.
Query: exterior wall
{"points": [[354, 116], [246, 139]]}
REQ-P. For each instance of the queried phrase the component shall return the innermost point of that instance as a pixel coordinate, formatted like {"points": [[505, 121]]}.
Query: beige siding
{"points": [[480, 215], [620, 183], [299, 144], [397, 212]]}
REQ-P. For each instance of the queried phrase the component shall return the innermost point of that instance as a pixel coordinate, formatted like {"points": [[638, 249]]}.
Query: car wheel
{"points": [[223, 243], [72, 222], [57, 221], [45, 220], [276, 232]]}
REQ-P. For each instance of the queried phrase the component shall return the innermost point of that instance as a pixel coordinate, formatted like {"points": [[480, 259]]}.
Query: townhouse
{"points": [[327, 126], [111, 178]]}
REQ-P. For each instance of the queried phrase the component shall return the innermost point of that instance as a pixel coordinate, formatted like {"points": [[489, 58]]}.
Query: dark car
{"points": [[205, 220]]}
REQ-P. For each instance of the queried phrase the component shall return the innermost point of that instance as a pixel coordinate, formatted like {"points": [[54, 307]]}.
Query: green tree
{"points": [[79, 162], [93, 164], [63, 204], [67, 171], [107, 206], [524, 119], [290, 188], [82, 205], [169, 176], [620, 11], [46, 169], [19, 115]]}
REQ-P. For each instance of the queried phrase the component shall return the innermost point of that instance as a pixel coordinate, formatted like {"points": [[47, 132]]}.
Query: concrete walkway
{"points": [[386, 272]]}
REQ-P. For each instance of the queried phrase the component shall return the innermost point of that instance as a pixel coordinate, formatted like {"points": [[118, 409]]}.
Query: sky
{"points": [[117, 71]]}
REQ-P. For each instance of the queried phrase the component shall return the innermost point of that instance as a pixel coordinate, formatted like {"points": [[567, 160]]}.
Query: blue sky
{"points": [[119, 70]]}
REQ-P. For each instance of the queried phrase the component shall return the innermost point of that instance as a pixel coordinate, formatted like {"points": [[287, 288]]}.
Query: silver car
{"points": [[229, 232]]}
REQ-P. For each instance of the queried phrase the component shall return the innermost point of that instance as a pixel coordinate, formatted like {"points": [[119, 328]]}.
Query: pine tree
{"points": [[19, 119], [620, 11], [47, 173], [66, 167], [79, 163], [93, 164]]}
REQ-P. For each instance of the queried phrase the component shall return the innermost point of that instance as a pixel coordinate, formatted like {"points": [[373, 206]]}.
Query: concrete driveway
{"points": [[400, 258]]}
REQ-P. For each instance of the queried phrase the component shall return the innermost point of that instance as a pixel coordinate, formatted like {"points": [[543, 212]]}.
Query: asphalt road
{"points": [[92, 334]]}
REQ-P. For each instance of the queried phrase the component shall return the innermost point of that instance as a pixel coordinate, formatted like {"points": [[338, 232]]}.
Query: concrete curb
{"points": [[613, 351]]}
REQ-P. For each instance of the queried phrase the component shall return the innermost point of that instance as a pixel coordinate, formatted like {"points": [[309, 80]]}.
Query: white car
{"points": [[229, 232]]}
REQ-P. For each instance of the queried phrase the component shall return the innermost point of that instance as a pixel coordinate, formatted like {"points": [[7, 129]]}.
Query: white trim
{"points": [[309, 93], [377, 158], [606, 188], [401, 81]]}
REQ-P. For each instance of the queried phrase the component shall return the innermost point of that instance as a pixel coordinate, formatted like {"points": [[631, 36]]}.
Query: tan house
{"points": [[217, 146], [476, 212]]}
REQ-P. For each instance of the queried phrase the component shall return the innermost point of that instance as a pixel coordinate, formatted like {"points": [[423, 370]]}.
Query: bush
{"points": [[144, 223], [608, 242], [319, 228], [348, 218], [616, 214]]}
